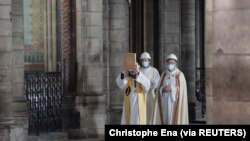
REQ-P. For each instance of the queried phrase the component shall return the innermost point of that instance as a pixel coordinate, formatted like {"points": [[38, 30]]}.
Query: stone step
{"points": [[90, 139], [59, 136], [53, 136]]}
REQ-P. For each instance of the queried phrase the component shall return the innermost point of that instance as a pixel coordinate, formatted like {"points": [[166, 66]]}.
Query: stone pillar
{"points": [[91, 81], [169, 30], [209, 49], [118, 44], [229, 52], [19, 105], [6, 110], [187, 54]]}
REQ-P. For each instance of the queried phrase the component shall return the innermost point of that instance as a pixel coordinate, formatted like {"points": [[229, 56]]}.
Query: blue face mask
{"points": [[171, 67], [145, 64]]}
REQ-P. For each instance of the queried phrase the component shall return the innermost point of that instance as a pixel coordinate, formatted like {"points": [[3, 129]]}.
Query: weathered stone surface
{"points": [[232, 36], [231, 5], [5, 77], [230, 82], [5, 58], [5, 11], [5, 29]]}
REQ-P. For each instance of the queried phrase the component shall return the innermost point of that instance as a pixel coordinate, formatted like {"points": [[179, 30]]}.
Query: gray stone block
{"points": [[5, 11], [188, 8], [79, 18], [5, 77], [119, 24], [17, 42], [115, 117], [17, 6], [188, 39], [94, 31], [171, 38], [79, 5], [171, 17], [5, 60], [5, 2], [5, 102], [80, 31], [97, 121], [93, 71], [94, 5], [94, 84], [5, 134], [116, 97], [96, 103], [18, 58], [118, 11], [6, 28], [5, 43], [170, 5], [93, 46], [117, 47], [172, 28], [93, 18], [18, 89], [117, 59], [20, 109], [17, 25], [119, 35], [232, 5], [188, 20], [118, 1], [18, 75]]}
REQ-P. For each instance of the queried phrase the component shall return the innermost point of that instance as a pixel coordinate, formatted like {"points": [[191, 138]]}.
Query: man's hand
{"points": [[133, 74], [167, 89]]}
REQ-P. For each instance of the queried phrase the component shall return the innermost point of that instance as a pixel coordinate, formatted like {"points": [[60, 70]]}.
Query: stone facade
{"points": [[227, 58]]}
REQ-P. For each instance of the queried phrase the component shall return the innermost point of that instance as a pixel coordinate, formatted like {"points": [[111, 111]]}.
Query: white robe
{"points": [[168, 100], [153, 75], [134, 113]]}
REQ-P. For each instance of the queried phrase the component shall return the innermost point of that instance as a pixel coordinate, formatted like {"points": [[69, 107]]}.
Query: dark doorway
{"points": [[144, 29]]}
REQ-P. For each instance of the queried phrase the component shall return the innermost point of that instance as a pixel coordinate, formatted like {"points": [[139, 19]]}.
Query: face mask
{"points": [[170, 67], [145, 64]]}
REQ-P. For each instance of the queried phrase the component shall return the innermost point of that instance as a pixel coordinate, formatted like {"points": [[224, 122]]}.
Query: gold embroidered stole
{"points": [[176, 103], [141, 102]]}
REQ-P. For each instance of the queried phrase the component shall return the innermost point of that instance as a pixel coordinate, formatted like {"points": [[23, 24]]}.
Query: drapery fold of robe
{"points": [[134, 104], [174, 104], [153, 75]]}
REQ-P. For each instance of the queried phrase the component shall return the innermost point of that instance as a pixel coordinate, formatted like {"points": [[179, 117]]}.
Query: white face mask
{"points": [[171, 67], [145, 64]]}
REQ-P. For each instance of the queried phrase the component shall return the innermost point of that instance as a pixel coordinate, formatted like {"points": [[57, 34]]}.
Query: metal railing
{"points": [[43, 92]]}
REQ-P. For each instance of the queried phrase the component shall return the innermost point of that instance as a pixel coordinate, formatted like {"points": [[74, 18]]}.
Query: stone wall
{"points": [[117, 43], [227, 58], [6, 110], [13, 119], [91, 80]]}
